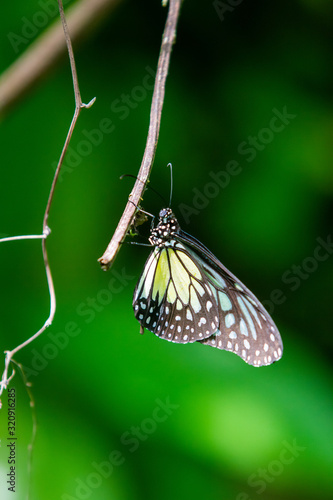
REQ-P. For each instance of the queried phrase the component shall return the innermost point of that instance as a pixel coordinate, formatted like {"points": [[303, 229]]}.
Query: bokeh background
{"points": [[175, 421]]}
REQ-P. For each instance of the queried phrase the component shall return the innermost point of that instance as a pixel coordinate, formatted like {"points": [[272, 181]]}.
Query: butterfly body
{"points": [[185, 294]]}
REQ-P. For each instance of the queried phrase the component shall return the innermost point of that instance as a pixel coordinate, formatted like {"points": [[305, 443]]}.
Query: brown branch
{"points": [[46, 231], [45, 52], [135, 197]]}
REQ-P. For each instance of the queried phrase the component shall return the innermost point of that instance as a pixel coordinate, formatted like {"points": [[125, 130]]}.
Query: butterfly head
{"points": [[165, 229]]}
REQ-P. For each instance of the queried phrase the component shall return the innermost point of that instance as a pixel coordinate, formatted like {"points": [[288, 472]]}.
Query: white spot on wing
{"points": [[148, 273], [199, 288], [149, 276], [252, 310], [214, 291], [225, 301], [247, 344], [189, 315], [229, 320], [194, 301], [248, 317], [243, 327]]}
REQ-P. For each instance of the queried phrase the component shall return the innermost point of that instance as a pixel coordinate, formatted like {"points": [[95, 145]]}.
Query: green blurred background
{"points": [[176, 421]]}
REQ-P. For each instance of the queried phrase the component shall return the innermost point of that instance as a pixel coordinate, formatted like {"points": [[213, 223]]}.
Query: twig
{"points": [[78, 106], [25, 237], [48, 49], [168, 39]]}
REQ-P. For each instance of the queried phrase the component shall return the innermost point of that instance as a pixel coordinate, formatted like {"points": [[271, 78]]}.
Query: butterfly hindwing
{"points": [[245, 327], [246, 330]]}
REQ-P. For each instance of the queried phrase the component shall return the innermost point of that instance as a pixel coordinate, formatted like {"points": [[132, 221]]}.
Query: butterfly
{"points": [[185, 294]]}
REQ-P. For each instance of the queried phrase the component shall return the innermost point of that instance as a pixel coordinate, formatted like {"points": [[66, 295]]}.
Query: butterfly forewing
{"points": [[173, 299], [185, 294]]}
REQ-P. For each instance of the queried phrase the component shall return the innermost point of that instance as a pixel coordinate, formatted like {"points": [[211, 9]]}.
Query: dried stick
{"points": [[46, 231], [134, 198], [83, 17]]}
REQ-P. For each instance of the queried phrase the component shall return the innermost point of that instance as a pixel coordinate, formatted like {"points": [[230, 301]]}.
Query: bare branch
{"points": [[135, 197], [78, 106], [48, 49]]}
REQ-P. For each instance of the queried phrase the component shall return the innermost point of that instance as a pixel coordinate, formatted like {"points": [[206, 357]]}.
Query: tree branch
{"points": [[135, 197]]}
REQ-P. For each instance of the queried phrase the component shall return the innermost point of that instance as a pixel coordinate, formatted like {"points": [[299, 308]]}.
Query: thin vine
{"points": [[6, 378]]}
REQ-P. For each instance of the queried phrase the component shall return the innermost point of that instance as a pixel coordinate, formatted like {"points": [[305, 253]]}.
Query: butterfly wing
{"points": [[185, 294], [245, 327], [173, 298]]}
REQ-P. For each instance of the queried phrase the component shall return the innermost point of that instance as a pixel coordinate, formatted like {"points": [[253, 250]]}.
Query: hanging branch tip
{"points": [[90, 103], [136, 195]]}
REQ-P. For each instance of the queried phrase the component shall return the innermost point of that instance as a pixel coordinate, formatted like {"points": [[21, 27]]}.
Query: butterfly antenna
{"points": [[171, 183], [140, 210], [147, 186]]}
